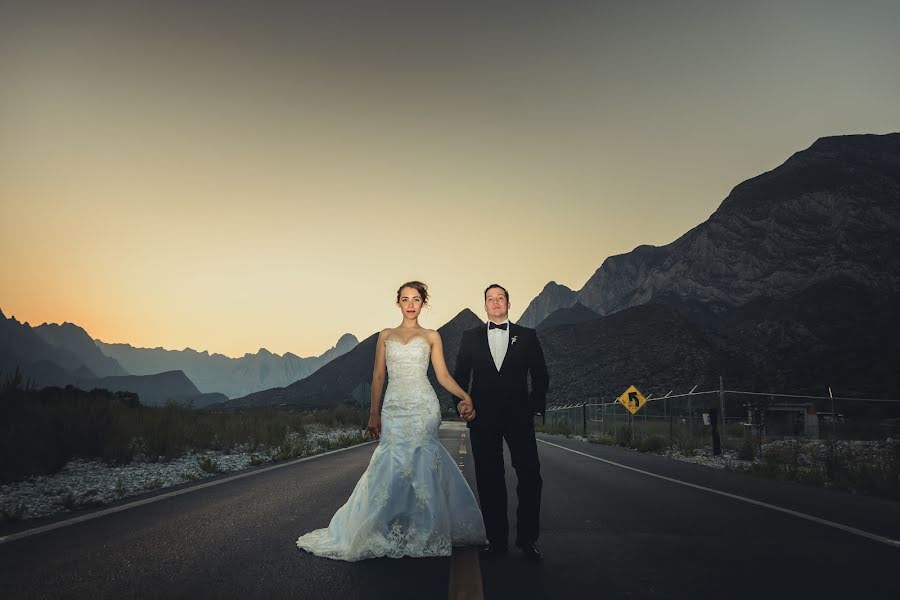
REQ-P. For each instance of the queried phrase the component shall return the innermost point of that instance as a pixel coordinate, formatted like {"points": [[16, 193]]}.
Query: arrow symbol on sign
{"points": [[633, 399]]}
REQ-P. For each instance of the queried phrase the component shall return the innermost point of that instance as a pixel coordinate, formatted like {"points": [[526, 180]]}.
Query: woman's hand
{"points": [[466, 409], [374, 426]]}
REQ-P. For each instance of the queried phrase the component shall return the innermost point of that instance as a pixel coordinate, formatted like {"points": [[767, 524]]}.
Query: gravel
{"points": [[85, 483]]}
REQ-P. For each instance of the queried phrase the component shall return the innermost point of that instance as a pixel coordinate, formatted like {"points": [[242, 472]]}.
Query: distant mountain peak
{"points": [[74, 339], [346, 340], [553, 297], [464, 318], [551, 285]]}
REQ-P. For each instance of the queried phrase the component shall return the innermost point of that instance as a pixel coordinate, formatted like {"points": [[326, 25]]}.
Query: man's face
{"points": [[496, 305]]}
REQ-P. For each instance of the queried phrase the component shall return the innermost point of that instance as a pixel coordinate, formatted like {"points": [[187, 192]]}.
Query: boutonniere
{"points": [[513, 340]]}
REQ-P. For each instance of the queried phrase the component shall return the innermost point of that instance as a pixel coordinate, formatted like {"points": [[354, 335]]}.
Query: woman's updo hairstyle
{"points": [[418, 286]]}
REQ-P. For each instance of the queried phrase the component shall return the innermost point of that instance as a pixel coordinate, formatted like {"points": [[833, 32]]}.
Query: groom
{"points": [[498, 358]]}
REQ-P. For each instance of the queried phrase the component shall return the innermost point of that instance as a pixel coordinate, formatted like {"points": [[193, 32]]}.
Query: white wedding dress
{"points": [[412, 500]]}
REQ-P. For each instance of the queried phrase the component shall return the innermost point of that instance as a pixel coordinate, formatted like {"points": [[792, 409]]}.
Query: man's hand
{"points": [[466, 410]]}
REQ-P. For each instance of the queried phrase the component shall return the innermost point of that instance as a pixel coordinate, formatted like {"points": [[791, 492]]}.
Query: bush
{"points": [[656, 444], [553, 429], [14, 512], [747, 449], [68, 501], [209, 464], [604, 439], [42, 430], [624, 436]]}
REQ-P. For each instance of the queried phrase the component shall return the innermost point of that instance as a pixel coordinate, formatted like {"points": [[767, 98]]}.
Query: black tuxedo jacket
{"points": [[502, 395]]}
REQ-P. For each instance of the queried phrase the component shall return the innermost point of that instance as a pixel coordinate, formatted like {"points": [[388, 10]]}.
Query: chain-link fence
{"points": [[726, 419]]}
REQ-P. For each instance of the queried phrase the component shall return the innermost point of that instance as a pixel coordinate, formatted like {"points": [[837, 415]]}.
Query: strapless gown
{"points": [[412, 500]]}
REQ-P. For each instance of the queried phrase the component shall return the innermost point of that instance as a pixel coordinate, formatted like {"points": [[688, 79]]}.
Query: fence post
{"points": [[584, 419], [722, 408], [666, 412], [691, 415], [833, 415], [631, 428], [644, 425], [603, 417]]}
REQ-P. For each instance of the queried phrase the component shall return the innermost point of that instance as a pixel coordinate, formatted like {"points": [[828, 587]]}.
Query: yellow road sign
{"points": [[632, 399]]}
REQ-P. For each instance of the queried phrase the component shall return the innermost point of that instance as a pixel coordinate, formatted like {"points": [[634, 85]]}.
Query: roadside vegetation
{"points": [[42, 430], [865, 467]]}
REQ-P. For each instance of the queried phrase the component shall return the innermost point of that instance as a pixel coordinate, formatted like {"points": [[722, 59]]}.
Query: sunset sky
{"points": [[241, 175]]}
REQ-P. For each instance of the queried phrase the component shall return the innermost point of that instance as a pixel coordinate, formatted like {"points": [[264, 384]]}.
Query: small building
{"points": [[794, 420]]}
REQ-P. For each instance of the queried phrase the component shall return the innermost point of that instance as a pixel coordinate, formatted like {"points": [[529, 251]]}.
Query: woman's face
{"points": [[410, 303]]}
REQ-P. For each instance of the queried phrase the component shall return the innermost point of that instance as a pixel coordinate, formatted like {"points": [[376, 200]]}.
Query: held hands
{"points": [[374, 426], [466, 409]]}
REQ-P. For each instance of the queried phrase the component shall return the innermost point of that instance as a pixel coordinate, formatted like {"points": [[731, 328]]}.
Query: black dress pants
{"points": [[487, 449]]}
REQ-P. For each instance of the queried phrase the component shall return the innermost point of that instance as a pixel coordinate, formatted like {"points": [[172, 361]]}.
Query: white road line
{"points": [[847, 528], [108, 511]]}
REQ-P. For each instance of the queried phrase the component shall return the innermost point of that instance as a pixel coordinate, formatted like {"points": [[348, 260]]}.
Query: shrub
{"points": [[15, 512], [656, 444], [209, 464], [747, 449], [42, 430], [553, 429], [68, 501], [603, 438], [624, 435]]}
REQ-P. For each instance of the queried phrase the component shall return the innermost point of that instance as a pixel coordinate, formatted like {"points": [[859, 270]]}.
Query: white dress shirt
{"points": [[498, 340]]}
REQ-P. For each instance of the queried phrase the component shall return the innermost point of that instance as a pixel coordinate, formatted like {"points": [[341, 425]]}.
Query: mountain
{"points": [[156, 389], [836, 333], [553, 297], [577, 313], [233, 377], [790, 285], [832, 334], [832, 210], [451, 338], [651, 346], [348, 379], [21, 347], [44, 364], [77, 341]]}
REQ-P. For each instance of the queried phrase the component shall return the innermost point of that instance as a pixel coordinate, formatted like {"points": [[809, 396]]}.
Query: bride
{"points": [[412, 500]]}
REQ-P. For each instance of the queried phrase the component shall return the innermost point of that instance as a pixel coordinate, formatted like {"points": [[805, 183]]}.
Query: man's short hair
{"points": [[495, 285]]}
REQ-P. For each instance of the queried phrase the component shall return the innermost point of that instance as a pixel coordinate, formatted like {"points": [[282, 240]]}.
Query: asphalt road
{"points": [[624, 526]]}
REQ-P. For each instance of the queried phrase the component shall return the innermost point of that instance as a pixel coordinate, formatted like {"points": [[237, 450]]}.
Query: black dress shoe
{"points": [[495, 550], [531, 552]]}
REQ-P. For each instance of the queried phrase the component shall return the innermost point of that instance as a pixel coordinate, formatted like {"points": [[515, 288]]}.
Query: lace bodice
{"points": [[409, 360]]}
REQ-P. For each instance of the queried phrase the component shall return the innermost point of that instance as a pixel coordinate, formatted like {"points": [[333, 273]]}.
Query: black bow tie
{"points": [[493, 325]]}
